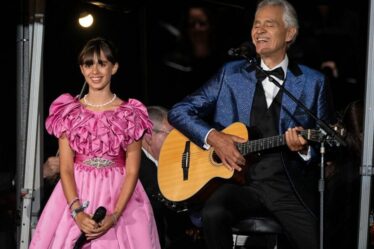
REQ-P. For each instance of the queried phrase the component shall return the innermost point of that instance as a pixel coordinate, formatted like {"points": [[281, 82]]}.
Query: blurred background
{"points": [[167, 49]]}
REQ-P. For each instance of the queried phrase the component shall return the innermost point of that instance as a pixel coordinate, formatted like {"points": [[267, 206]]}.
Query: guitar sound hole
{"points": [[215, 158]]}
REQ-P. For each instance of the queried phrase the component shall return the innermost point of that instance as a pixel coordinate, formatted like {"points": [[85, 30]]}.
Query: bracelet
{"points": [[80, 209], [73, 201], [114, 219]]}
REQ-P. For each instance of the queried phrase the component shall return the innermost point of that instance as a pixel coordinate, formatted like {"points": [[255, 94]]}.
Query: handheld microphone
{"points": [[97, 217]]}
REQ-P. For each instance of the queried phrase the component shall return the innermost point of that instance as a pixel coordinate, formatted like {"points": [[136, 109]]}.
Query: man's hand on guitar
{"points": [[225, 147], [295, 141]]}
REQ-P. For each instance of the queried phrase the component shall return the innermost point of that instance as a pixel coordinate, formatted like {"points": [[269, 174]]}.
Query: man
{"points": [[278, 182]]}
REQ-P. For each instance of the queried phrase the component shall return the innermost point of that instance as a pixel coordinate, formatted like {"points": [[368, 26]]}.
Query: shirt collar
{"points": [[149, 156], [283, 64]]}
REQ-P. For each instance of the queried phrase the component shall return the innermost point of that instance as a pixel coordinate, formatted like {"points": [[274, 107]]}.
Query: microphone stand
{"points": [[326, 130]]}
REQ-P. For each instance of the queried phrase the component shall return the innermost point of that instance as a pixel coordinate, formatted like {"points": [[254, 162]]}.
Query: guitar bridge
{"points": [[186, 160]]}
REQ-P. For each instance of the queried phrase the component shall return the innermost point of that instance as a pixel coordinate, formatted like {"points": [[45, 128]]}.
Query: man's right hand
{"points": [[225, 147]]}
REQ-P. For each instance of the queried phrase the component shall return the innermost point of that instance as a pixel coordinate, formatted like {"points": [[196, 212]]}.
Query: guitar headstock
{"points": [[339, 131], [312, 135], [319, 136]]}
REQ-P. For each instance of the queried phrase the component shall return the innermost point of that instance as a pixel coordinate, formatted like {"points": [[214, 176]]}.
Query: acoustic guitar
{"points": [[184, 168]]}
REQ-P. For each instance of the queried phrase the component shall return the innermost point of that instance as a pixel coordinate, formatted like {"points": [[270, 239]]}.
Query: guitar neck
{"points": [[261, 144], [266, 143]]}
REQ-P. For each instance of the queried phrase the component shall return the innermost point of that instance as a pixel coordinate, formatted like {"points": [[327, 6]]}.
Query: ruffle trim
{"points": [[97, 133]]}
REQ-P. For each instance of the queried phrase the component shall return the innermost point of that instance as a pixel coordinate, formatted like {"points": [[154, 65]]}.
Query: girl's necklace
{"points": [[99, 105]]}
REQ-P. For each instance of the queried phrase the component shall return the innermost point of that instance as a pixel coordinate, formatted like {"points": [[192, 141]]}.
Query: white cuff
{"points": [[307, 156], [206, 145]]}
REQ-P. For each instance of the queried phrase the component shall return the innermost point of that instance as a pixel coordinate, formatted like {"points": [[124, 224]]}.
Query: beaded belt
{"points": [[99, 162]]}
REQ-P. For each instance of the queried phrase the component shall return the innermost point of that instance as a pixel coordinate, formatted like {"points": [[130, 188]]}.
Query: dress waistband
{"points": [[100, 162]]}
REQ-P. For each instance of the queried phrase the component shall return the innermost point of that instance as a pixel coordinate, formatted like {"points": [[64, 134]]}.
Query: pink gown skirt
{"points": [[135, 228]]}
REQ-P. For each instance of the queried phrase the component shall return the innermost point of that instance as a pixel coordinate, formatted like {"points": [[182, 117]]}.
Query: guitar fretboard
{"points": [[261, 144], [265, 143]]}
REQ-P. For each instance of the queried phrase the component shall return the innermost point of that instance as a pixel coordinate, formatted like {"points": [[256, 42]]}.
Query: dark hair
{"points": [[94, 47]]}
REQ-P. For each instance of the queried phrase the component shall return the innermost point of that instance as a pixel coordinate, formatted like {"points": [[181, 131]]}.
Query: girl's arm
{"points": [[132, 172], [83, 220]]}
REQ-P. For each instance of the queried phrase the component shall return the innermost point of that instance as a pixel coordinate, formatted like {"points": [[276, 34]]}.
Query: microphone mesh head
{"points": [[99, 214], [246, 49]]}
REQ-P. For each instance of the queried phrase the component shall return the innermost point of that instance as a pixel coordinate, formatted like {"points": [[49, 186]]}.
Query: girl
{"points": [[100, 148]]}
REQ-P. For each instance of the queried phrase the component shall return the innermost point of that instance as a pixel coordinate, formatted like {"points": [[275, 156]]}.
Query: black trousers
{"points": [[232, 202]]}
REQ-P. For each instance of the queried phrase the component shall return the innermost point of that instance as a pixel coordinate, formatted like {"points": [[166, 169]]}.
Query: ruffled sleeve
{"points": [[98, 133], [137, 121], [61, 112]]}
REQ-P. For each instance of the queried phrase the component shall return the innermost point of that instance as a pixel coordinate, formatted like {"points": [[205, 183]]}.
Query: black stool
{"points": [[258, 226]]}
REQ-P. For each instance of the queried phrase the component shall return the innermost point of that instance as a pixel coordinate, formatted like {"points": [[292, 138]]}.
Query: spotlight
{"points": [[86, 20]]}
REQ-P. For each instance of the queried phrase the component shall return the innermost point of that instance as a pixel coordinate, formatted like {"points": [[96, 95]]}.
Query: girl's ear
{"points": [[115, 68]]}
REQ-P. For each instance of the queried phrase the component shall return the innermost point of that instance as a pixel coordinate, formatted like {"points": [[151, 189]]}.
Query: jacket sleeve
{"points": [[190, 116]]}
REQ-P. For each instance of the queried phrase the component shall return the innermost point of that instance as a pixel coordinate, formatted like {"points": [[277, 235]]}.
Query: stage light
{"points": [[86, 20]]}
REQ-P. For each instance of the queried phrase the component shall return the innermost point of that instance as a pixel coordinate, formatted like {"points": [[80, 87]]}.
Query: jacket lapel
{"points": [[247, 87], [294, 83]]}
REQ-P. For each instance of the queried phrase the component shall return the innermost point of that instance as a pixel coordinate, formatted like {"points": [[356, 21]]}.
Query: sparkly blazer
{"points": [[227, 97]]}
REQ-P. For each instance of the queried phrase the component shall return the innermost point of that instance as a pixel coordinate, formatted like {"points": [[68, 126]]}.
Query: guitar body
{"points": [[203, 166], [185, 169]]}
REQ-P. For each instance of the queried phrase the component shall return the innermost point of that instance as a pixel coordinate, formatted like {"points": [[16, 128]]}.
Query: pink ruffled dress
{"points": [[99, 140]]}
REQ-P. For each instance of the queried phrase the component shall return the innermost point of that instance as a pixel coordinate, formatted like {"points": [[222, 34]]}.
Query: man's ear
{"points": [[115, 68], [291, 33]]}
